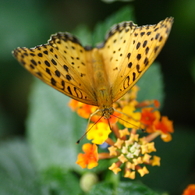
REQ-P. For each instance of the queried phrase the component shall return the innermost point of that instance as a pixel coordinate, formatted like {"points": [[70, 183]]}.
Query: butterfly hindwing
{"points": [[62, 64]]}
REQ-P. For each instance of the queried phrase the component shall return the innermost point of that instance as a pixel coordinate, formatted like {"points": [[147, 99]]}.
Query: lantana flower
{"points": [[90, 158], [130, 151], [190, 190]]}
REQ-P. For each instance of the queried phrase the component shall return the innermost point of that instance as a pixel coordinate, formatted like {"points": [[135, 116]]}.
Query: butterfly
{"points": [[97, 76]]}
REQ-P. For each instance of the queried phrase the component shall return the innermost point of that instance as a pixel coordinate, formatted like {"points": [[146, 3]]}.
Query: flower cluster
{"points": [[131, 151]]}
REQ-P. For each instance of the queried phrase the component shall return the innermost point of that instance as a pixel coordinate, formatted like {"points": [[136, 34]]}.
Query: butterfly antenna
{"points": [[109, 124], [127, 121], [78, 141]]}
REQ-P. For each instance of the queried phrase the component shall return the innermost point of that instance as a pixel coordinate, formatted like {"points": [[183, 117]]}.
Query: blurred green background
{"points": [[30, 23]]}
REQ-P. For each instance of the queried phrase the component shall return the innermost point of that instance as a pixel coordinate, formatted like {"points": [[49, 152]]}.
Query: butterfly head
{"points": [[106, 112]]}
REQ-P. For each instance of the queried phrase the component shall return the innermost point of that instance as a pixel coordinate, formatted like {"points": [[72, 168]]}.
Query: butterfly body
{"points": [[102, 89], [97, 76]]}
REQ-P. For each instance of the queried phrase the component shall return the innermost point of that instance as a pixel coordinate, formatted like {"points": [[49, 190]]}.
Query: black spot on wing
{"points": [[147, 50], [148, 33], [53, 81], [33, 62], [57, 73], [128, 55], [130, 64], [40, 55], [69, 90], [63, 84], [39, 74], [134, 76], [138, 45], [138, 68], [157, 36], [65, 68], [46, 52], [31, 66], [48, 71], [145, 43], [54, 62], [139, 56], [47, 63], [142, 33], [68, 77], [156, 49], [146, 61]]}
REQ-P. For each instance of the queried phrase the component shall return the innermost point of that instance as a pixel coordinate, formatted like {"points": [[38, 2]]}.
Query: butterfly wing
{"points": [[63, 64], [129, 50]]}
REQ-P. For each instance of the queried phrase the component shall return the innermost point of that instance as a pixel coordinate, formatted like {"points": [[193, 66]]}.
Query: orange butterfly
{"points": [[97, 76]]}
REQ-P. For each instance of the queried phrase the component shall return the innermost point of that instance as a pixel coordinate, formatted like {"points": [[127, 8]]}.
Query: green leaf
{"points": [[101, 28], [6, 124], [53, 128], [24, 31], [83, 34], [58, 182], [102, 188], [124, 188], [151, 84], [124, 14], [133, 188], [17, 173]]}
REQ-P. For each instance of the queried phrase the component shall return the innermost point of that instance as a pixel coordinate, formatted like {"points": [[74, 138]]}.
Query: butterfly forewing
{"points": [[115, 47], [142, 45], [62, 64]]}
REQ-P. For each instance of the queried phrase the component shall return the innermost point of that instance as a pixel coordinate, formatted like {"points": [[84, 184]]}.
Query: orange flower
{"points": [[83, 110], [153, 123], [73, 104], [164, 125], [148, 116], [190, 190], [156, 103], [86, 110], [90, 158]]}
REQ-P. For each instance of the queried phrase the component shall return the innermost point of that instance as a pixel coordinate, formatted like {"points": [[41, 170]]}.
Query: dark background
{"points": [[29, 23]]}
